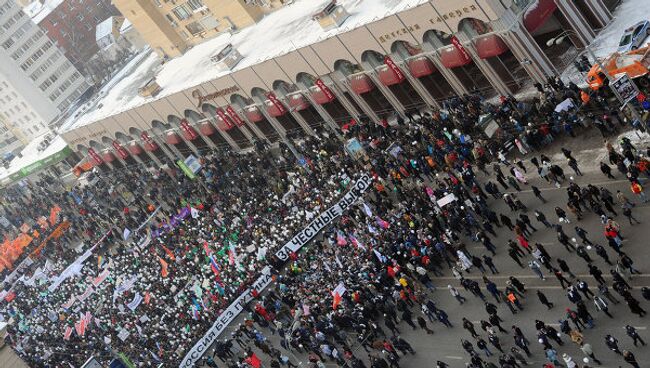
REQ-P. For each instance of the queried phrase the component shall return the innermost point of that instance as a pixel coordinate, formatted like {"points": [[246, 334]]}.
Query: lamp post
{"points": [[562, 36]]}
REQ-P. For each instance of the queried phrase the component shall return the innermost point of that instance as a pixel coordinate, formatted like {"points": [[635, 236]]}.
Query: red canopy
{"points": [[253, 114], [151, 146], [206, 129], [298, 102], [173, 138], [361, 83], [451, 57], [135, 149], [388, 77], [273, 109], [321, 97], [420, 66], [537, 14], [108, 156], [490, 46]]}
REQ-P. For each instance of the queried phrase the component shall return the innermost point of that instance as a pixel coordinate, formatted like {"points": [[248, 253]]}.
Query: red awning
{"points": [[135, 149], [108, 156], [151, 146], [190, 134], [451, 57], [298, 102], [388, 77], [206, 129], [173, 138], [421, 66], [537, 14], [222, 125], [320, 97], [253, 114], [361, 83], [273, 109], [490, 46]]}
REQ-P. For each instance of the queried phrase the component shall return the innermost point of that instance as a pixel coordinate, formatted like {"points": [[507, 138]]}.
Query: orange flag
{"points": [[163, 264], [54, 214], [337, 300], [170, 254]]}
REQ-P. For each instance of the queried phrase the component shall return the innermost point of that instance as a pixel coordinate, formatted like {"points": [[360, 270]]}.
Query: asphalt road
{"points": [[444, 343]]}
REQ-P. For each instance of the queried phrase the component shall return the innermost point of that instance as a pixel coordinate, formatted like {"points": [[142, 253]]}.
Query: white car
{"points": [[634, 36]]}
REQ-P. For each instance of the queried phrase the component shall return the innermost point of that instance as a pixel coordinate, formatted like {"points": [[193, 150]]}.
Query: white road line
{"points": [[453, 357]]}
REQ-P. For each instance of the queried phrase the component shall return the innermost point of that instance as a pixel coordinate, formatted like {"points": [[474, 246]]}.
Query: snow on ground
{"points": [[30, 154], [628, 13], [39, 9], [278, 33]]}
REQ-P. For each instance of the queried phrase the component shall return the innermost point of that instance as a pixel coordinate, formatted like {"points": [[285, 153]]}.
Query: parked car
{"points": [[634, 36]]}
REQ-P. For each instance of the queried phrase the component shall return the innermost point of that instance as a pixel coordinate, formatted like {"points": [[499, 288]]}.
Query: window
{"points": [[195, 28], [182, 12], [209, 22], [195, 4], [171, 20]]}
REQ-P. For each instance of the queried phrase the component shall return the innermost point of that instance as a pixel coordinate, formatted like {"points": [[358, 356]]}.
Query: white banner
{"points": [[197, 351], [325, 218]]}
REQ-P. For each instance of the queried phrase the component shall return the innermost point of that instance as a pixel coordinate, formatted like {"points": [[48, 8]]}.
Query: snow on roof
{"points": [[278, 33], [30, 154], [125, 26], [40, 9], [627, 14], [104, 28]]}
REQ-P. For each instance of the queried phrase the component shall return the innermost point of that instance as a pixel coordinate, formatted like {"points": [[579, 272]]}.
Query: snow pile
{"points": [[628, 13]]}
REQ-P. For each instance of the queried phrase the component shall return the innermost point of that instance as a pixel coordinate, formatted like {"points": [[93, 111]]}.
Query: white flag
{"points": [[367, 210]]}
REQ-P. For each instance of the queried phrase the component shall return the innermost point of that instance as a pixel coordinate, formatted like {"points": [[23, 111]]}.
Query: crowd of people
{"points": [[174, 255]]}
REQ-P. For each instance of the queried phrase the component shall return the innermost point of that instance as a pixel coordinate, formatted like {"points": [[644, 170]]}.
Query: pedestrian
{"points": [[539, 215], [564, 267], [602, 252], [543, 299], [494, 340], [602, 305], [612, 344], [637, 189], [469, 326], [534, 266], [481, 344], [627, 212], [634, 334], [607, 170], [452, 290], [589, 351], [630, 359], [561, 215], [597, 274], [574, 165], [423, 325], [490, 263], [538, 193], [551, 355], [582, 234]]}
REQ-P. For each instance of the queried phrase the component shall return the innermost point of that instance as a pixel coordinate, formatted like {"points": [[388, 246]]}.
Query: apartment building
{"points": [[37, 82], [71, 25], [172, 26]]}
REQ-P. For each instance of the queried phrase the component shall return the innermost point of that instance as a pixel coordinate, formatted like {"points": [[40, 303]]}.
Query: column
{"points": [[576, 20], [485, 67], [343, 83], [415, 82], [529, 53]]}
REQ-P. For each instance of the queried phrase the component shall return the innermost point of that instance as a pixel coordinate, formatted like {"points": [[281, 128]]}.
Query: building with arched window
{"points": [[293, 76]]}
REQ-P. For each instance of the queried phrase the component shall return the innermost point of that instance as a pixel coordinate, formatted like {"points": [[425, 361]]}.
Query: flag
{"points": [[207, 249], [160, 350], [126, 233], [54, 215], [147, 298], [169, 253], [338, 261], [80, 327], [356, 242], [367, 210], [340, 238], [382, 223], [195, 313], [337, 300], [163, 271], [380, 256], [215, 267], [100, 261], [372, 229], [232, 253], [194, 212], [67, 333]]}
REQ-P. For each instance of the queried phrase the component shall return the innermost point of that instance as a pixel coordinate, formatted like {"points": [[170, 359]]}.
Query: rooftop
{"points": [[104, 28], [278, 33], [40, 9], [31, 154]]}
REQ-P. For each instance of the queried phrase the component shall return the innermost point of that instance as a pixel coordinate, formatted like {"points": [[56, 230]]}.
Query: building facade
{"points": [[412, 59], [37, 82], [71, 25], [11, 140], [171, 27]]}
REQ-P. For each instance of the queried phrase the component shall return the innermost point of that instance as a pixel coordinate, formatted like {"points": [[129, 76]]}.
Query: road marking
{"points": [[453, 357], [640, 327], [471, 277]]}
